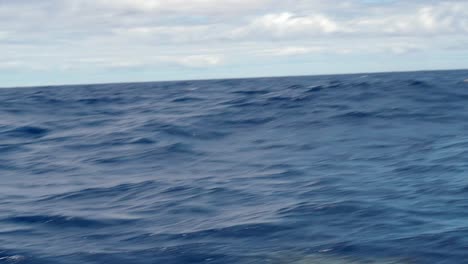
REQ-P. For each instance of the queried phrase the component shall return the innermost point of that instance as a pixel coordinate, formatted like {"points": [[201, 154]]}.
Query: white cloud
{"points": [[197, 61], [293, 51], [103, 63], [20, 65], [220, 20], [184, 6], [287, 25], [127, 62], [444, 18], [168, 34], [9, 65], [159, 34]]}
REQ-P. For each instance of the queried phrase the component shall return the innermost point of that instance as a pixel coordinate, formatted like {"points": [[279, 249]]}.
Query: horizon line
{"points": [[228, 78]]}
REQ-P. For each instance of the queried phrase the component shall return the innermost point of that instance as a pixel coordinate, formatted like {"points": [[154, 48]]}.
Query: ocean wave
{"points": [[324, 169], [26, 132], [59, 221], [103, 192]]}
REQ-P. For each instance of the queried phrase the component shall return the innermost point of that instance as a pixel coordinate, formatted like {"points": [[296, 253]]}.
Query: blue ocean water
{"points": [[325, 169]]}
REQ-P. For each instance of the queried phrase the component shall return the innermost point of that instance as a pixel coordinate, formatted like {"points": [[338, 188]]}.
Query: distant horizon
{"points": [[233, 78]]}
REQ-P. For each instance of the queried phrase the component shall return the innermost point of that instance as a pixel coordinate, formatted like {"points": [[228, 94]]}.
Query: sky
{"points": [[51, 42]]}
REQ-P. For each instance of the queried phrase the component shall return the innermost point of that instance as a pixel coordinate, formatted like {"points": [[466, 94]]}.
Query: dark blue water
{"points": [[330, 169]]}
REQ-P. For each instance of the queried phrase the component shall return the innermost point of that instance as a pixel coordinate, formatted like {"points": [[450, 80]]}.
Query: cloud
{"points": [[197, 61], [183, 6], [287, 25], [293, 51], [169, 34], [222, 20], [20, 65], [444, 18], [10, 65], [127, 62]]}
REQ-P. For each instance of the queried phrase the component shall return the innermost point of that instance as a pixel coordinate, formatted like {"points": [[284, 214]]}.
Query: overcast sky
{"points": [[94, 41]]}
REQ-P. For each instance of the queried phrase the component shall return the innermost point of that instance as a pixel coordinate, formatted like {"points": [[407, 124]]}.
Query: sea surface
{"points": [[324, 169]]}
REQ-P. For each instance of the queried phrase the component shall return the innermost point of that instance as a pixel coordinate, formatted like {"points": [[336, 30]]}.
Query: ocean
{"points": [[363, 168]]}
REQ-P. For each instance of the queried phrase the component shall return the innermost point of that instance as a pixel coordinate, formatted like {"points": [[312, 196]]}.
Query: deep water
{"points": [[326, 169]]}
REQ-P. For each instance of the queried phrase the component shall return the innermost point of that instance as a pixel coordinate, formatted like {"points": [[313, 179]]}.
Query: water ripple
{"points": [[325, 169]]}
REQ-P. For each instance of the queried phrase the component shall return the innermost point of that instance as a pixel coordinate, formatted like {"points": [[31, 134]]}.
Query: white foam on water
{"points": [[12, 259]]}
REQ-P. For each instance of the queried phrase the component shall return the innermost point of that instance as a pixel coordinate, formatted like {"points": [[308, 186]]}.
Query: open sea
{"points": [[304, 170]]}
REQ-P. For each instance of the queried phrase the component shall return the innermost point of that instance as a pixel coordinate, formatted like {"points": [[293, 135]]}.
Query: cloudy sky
{"points": [[94, 41]]}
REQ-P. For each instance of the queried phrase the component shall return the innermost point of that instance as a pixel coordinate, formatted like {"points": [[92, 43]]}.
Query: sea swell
{"points": [[325, 169]]}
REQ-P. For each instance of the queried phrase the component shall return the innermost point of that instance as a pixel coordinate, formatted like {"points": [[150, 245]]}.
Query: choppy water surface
{"points": [[330, 169]]}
